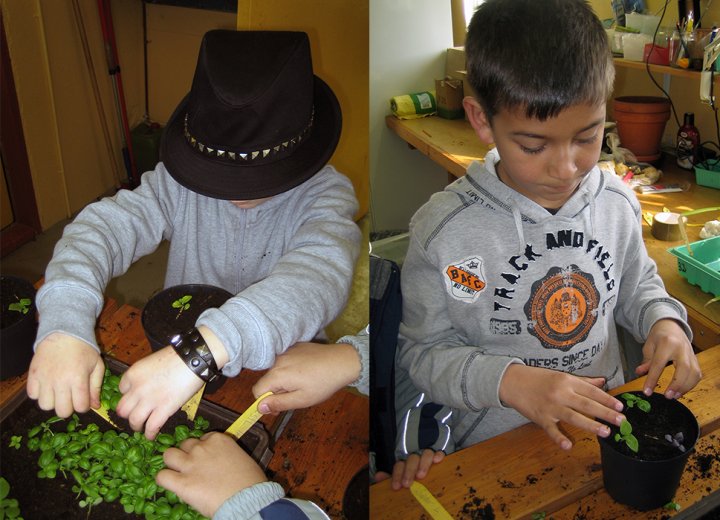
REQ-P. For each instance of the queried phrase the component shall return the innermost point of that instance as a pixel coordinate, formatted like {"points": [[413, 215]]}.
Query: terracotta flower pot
{"points": [[175, 310], [666, 435], [18, 325], [640, 123]]}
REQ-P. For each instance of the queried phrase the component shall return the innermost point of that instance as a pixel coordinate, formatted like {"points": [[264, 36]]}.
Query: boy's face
{"points": [[543, 160]]}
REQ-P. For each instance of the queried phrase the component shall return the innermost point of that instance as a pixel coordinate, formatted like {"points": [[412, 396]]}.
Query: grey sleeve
{"points": [[438, 359], [101, 243], [264, 501], [361, 343], [642, 298], [310, 284]]}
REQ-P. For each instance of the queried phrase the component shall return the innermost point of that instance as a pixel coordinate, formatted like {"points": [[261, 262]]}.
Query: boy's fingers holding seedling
{"points": [[155, 421], [685, 377], [96, 380], [174, 458], [657, 365]]}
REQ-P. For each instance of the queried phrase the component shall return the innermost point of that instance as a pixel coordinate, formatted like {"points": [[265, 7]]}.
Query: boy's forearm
{"points": [[216, 347]]}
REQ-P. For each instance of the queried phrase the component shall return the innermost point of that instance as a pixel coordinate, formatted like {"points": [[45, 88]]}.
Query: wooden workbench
{"points": [[453, 145], [522, 472]]}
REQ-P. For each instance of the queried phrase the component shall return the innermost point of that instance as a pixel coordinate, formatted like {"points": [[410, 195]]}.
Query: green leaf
{"points": [[629, 397], [4, 488], [672, 506], [176, 304], [631, 442], [625, 428], [644, 405]]}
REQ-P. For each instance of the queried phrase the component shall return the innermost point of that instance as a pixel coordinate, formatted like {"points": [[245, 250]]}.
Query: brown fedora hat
{"points": [[257, 121]]}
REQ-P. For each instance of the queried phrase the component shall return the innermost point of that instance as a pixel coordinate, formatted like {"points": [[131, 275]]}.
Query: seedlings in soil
{"points": [[22, 305], [182, 303], [676, 440], [112, 466], [15, 441], [634, 400], [9, 507], [626, 436]]}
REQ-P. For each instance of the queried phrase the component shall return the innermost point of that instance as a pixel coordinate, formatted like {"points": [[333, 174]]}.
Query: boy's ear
{"points": [[478, 119]]}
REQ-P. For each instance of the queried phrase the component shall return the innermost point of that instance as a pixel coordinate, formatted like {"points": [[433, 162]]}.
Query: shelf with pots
{"points": [[661, 69]]}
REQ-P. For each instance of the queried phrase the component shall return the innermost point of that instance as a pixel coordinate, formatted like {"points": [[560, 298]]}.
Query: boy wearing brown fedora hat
{"points": [[244, 194]]}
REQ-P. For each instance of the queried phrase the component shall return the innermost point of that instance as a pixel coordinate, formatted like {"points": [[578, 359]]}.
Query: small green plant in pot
{"points": [[175, 310], [18, 325], [644, 458]]}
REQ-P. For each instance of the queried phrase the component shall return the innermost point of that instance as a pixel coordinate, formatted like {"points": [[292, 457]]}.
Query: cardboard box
{"points": [[449, 96], [455, 62]]}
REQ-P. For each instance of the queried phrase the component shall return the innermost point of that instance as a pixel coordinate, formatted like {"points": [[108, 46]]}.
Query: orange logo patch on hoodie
{"points": [[465, 279]]}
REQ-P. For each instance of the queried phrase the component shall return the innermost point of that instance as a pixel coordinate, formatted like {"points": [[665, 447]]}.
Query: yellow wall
{"points": [[684, 92], [339, 35], [53, 98], [73, 160]]}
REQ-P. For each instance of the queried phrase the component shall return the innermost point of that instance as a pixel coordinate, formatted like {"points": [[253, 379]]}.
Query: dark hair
{"points": [[538, 55]]}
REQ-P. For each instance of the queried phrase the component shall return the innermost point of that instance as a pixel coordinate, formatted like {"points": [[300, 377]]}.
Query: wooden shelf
{"points": [[660, 69]]}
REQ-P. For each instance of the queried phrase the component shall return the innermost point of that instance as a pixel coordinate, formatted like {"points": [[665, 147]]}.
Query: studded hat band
{"points": [[248, 156]]}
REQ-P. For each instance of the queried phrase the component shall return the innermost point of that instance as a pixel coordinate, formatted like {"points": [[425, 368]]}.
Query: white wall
{"points": [[408, 39]]}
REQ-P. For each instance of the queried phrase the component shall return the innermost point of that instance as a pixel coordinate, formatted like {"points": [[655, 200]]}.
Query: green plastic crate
{"points": [[708, 173], [703, 267]]}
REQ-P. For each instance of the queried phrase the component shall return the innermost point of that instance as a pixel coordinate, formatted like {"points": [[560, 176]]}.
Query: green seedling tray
{"points": [[702, 268]]}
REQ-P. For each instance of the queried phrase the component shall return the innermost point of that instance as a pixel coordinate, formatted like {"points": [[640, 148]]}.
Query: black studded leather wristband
{"points": [[193, 350]]}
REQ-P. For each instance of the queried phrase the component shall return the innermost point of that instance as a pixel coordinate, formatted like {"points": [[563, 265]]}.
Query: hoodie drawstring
{"points": [[518, 225], [591, 203]]}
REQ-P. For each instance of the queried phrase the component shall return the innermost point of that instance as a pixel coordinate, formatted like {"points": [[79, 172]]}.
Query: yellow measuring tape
{"points": [[190, 408], [103, 412], [434, 508], [249, 417]]}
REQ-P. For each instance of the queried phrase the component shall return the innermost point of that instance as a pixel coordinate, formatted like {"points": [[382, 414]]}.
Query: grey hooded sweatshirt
{"points": [[491, 278], [289, 261]]}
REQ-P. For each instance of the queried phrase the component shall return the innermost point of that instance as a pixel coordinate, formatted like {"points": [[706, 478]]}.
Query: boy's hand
{"points": [[206, 472], [307, 374], [66, 374], [154, 388], [416, 467], [547, 397], [667, 342]]}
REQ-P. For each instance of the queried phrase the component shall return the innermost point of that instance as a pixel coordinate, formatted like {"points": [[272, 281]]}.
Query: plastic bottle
{"points": [[688, 141]]}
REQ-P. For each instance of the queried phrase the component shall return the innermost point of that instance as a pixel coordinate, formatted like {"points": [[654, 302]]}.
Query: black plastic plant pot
{"points": [[18, 325], [666, 436], [175, 310]]}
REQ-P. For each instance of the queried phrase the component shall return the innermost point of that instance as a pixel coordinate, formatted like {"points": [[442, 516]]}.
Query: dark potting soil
{"points": [[11, 291], [476, 508], [162, 321], [41, 499], [651, 428]]}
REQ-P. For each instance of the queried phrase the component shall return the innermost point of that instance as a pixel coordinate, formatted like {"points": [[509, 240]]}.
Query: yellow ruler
{"points": [[429, 502], [249, 417], [103, 412], [190, 408]]}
